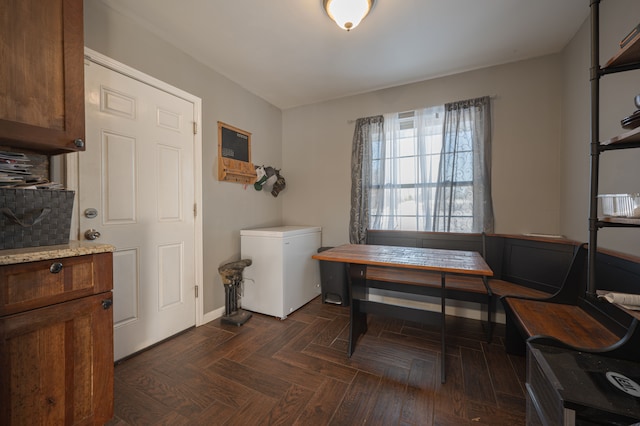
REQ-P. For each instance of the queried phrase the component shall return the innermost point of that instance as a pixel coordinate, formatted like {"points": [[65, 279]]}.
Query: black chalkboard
{"points": [[235, 145]]}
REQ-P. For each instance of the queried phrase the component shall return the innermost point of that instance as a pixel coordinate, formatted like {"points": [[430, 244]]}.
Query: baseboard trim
{"points": [[212, 315], [456, 308]]}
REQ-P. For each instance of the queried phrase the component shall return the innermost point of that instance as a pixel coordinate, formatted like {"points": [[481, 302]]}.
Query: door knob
{"points": [[91, 234]]}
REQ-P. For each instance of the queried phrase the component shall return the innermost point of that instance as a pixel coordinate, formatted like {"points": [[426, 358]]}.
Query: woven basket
{"points": [[34, 217]]}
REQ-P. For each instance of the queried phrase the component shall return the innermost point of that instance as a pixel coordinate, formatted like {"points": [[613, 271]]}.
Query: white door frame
{"points": [[72, 164]]}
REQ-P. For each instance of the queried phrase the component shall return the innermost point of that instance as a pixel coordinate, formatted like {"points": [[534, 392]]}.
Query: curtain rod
{"points": [[490, 97]]}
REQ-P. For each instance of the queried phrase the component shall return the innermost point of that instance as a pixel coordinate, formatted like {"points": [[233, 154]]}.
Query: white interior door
{"points": [[137, 189]]}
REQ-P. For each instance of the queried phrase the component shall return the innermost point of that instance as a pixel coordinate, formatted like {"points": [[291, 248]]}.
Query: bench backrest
{"points": [[575, 282], [617, 272], [439, 240], [614, 272], [535, 263], [538, 263]]}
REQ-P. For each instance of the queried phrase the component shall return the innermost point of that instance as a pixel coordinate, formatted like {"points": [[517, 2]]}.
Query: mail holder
{"points": [[234, 155]]}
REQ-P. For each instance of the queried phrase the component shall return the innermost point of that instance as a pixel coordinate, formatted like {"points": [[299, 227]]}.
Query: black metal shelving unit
{"points": [[627, 59]]}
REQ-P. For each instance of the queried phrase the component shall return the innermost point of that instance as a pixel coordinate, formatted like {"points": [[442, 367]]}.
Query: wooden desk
{"points": [[359, 256]]}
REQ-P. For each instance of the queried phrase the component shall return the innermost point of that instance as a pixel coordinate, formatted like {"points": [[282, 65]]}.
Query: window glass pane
{"points": [[406, 148], [407, 170], [462, 224], [373, 197], [375, 172], [407, 223], [433, 144], [432, 167], [463, 205], [376, 149], [464, 167], [407, 202]]}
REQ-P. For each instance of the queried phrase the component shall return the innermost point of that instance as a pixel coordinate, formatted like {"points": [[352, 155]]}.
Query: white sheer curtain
{"points": [[405, 170]]}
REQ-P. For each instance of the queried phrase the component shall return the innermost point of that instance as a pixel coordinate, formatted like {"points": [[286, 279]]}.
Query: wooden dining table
{"points": [[359, 256]]}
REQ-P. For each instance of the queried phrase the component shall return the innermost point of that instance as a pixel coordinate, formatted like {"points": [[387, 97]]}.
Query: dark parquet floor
{"points": [[296, 372]]}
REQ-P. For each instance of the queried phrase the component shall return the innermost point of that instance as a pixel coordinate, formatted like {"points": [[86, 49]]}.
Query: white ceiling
{"points": [[290, 53]]}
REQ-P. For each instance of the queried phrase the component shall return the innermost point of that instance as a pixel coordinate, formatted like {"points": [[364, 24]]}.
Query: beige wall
{"points": [[316, 145], [228, 207], [620, 171]]}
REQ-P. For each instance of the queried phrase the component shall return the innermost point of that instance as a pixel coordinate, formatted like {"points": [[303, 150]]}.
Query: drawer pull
{"points": [[106, 303], [55, 267]]}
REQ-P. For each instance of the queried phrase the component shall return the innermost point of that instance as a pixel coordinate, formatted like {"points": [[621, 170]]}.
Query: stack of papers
{"points": [[15, 172], [14, 168], [626, 300]]}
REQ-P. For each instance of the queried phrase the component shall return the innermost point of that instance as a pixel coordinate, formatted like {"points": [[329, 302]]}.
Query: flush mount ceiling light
{"points": [[348, 13]]}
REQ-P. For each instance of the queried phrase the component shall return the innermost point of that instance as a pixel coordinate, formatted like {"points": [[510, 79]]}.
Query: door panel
{"points": [[169, 185], [138, 172], [125, 287], [119, 178], [170, 261]]}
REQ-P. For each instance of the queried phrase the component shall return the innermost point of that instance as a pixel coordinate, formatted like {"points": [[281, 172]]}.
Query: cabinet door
{"points": [[42, 75], [56, 364]]}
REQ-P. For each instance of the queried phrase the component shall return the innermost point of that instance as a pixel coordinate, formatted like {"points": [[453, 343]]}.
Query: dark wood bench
{"points": [[522, 266], [542, 285], [570, 318], [501, 288]]}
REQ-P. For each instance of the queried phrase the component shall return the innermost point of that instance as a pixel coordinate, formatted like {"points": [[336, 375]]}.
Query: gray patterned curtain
{"points": [[461, 194], [366, 130]]}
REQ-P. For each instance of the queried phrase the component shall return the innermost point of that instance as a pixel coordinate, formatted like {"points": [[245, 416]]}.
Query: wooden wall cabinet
{"points": [[56, 341], [42, 75]]}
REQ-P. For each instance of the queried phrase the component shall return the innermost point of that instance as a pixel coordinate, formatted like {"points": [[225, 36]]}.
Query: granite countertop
{"points": [[33, 254]]}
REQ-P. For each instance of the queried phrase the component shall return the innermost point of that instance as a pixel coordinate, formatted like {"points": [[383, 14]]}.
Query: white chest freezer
{"points": [[282, 276]]}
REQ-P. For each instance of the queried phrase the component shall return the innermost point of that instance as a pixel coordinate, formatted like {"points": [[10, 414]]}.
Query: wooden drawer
{"points": [[31, 285]]}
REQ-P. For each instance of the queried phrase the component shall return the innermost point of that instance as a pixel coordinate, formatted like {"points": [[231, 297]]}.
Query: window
{"points": [[425, 170]]}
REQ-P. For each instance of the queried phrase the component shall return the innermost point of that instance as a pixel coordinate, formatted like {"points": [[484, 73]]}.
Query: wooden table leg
{"points": [[490, 309], [357, 327], [358, 291]]}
